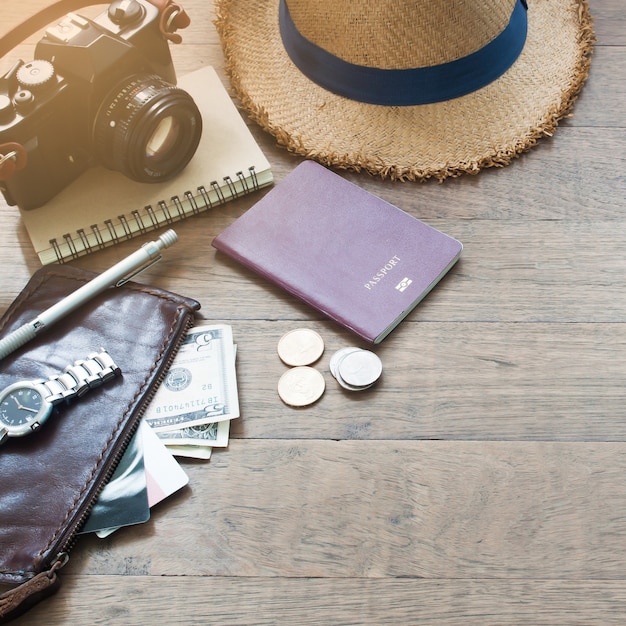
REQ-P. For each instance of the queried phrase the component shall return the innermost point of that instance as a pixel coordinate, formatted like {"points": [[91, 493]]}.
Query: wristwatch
{"points": [[25, 406]]}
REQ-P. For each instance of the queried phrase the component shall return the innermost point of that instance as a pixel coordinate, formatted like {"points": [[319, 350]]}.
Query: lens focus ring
{"points": [[147, 128]]}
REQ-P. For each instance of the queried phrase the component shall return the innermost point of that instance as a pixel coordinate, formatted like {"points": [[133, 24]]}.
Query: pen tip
{"points": [[168, 238]]}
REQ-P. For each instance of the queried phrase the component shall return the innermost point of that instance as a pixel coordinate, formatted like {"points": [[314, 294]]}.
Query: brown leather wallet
{"points": [[50, 479]]}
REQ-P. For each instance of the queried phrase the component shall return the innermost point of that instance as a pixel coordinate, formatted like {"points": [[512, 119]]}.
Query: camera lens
{"points": [[147, 128]]}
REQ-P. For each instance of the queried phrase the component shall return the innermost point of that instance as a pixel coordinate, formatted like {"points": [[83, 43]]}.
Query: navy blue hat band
{"points": [[406, 87]]}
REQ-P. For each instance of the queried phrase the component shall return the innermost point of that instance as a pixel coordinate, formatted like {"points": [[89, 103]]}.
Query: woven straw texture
{"points": [[407, 34], [486, 128]]}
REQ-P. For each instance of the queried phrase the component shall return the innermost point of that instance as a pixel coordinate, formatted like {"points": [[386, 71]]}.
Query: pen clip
{"points": [[124, 280]]}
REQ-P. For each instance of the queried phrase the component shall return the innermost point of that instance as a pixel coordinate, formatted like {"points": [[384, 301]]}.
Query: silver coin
{"points": [[300, 386], [301, 346], [360, 369], [349, 387], [336, 358]]}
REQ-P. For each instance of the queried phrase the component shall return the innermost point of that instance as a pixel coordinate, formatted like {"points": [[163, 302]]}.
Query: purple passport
{"points": [[356, 258]]}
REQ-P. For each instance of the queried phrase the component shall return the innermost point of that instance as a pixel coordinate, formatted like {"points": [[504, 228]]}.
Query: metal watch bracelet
{"points": [[83, 375]]}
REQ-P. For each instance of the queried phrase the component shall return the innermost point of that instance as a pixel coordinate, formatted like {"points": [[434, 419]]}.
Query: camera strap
{"points": [[172, 18]]}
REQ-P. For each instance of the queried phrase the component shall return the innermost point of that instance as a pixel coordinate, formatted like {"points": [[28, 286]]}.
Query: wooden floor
{"points": [[482, 481]]}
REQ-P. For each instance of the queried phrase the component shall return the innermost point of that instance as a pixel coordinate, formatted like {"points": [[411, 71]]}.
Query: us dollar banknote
{"points": [[200, 387], [213, 435]]}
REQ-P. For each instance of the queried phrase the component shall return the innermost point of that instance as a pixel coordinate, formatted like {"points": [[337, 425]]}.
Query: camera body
{"points": [[97, 92]]}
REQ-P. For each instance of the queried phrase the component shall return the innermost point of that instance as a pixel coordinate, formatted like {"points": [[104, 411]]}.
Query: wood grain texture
{"points": [[240, 601], [380, 509], [480, 481]]}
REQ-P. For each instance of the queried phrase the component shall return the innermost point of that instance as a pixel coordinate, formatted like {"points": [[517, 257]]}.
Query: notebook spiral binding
{"points": [[137, 222]]}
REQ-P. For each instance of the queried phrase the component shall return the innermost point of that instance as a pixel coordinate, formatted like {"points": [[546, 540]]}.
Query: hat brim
{"points": [[486, 128]]}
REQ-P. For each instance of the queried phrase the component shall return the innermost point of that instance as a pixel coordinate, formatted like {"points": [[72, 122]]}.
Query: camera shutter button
{"points": [[35, 75]]}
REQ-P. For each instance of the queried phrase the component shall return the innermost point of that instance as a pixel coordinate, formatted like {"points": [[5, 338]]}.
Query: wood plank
{"points": [[517, 269], [510, 270], [559, 382], [609, 21], [606, 84], [377, 509], [138, 600]]}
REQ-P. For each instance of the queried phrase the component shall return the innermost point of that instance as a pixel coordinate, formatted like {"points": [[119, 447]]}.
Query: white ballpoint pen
{"points": [[120, 273]]}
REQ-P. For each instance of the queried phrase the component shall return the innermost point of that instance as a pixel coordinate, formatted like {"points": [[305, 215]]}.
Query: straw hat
{"points": [[410, 89]]}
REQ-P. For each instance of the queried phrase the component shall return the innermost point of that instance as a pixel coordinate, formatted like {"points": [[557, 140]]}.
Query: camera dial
{"points": [[35, 75]]}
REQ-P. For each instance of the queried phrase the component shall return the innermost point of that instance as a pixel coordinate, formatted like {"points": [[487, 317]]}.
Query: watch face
{"points": [[22, 409]]}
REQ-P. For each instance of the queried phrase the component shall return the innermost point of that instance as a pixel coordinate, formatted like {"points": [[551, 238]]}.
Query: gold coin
{"points": [[301, 386], [301, 346]]}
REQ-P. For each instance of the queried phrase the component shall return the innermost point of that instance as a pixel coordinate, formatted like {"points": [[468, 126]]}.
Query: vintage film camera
{"points": [[98, 92]]}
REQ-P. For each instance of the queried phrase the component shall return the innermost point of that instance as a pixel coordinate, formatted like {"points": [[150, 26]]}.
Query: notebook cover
{"points": [[353, 256]]}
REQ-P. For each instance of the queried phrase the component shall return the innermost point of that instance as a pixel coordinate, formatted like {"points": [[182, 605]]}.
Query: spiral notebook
{"points": [[103, 207]]}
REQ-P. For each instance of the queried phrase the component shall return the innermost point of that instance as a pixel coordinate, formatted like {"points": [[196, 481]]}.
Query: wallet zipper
{"points": [[62, 557]]}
